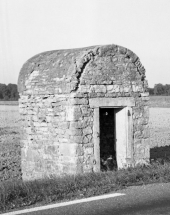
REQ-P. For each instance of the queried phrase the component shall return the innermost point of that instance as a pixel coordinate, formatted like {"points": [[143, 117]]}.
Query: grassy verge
{"points": [[17, 194]]}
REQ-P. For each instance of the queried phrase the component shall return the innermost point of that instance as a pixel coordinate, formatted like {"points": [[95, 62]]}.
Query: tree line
{"points": [[160, 89], [9, 92]]}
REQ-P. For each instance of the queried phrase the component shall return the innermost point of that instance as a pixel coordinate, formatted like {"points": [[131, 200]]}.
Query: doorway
{"points": [[122, 147], [107, 132]]}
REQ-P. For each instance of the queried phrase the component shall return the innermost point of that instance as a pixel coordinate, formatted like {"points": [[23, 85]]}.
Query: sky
{"points": [[29, 27]]}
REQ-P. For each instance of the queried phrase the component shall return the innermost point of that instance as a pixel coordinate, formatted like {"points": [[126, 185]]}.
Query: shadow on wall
{"points": [[162, 152]]}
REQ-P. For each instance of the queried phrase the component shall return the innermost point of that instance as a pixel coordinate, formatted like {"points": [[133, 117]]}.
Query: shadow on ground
{"points": [[162, 152]]}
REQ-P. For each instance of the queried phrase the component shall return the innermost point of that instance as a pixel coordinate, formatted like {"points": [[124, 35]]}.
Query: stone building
{"points": [[83, 110]]}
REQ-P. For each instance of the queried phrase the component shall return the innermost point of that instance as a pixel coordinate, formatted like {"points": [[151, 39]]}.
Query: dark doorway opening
{"points": [[107, 139]]}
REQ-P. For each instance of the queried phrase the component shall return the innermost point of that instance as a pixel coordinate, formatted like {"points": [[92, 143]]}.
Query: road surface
{"points": [[138, 200]]}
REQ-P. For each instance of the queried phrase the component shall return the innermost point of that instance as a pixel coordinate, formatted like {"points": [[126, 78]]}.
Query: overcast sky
{"points": [[28, 27]]}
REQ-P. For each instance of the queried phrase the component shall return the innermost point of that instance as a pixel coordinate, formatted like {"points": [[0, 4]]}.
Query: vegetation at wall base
{"points": [[19, 194]]}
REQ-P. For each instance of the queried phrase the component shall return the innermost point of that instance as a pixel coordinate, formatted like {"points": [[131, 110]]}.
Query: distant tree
{"points": [[151, 91], [1, 91], [13, 92], [159, 89], [8, 92], [4, 91], [167, 89]]}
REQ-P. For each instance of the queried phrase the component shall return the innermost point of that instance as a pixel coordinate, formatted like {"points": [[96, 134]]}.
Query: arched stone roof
{"points": [[63, 68]]}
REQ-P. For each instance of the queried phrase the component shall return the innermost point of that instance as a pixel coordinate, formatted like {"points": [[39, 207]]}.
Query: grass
{"points": [[10, 154], [18, 194], [159, 101], [8, 102]]}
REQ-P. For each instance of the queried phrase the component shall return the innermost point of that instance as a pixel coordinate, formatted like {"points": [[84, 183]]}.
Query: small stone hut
{"points": [[83, 110]]}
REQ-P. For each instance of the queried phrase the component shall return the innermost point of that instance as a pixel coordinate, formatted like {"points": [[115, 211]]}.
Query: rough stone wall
{"points": [[117, 72], [55, 88]]}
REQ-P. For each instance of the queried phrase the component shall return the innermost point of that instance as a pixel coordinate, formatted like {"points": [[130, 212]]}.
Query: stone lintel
{"points": [[111, 102]]}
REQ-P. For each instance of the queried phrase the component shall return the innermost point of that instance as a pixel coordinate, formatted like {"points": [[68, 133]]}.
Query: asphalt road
{"points": [[142, 200]]}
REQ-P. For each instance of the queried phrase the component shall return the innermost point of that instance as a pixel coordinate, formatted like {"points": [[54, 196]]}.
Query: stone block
{"points": [[42, 124], [23, 111], [59, 131], [63, 125], [58, 119], [109, 88], [93, 95], [121, 89], [42, 129], [49, 119], [146, 142], [77, 116], [116, 88], [100, 94], [87, 130], [78, 101], [127, 89], [28, 130], [146, 133], [73, 113], [84, 88], [74, 132], [71, 150], [143, 121], [110, 95], [135, 88], [147, 152], [140, 89], [85, 140], [76, 139], [78, 124], [63, 140], [89, 150], [98, 89], [80, 95], [138, 134], [86, 111], [51, 149], [89, 136], [70, 113]]}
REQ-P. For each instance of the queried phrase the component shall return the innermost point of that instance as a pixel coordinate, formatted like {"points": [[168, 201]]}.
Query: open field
{"points": [[159, 123], [9, 116], [8, 102], [10, 134], [10, 159], [159, 101]]}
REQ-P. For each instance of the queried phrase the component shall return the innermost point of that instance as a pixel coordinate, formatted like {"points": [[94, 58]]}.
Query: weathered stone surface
{"points": [[71, 150], [61, 93]]}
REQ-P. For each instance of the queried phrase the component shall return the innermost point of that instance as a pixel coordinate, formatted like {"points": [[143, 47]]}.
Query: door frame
{"points": [[126, 105]]}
